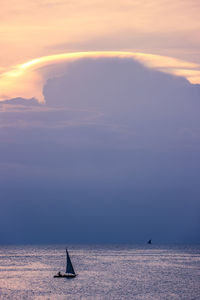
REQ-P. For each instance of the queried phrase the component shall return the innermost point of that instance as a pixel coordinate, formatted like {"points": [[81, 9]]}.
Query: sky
{"points": [[99, 121]]}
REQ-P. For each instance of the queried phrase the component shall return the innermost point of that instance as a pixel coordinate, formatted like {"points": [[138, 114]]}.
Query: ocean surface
{"points": [[104, 272]]}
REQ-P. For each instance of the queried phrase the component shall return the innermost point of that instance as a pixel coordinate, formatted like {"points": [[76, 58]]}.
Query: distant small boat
{"points": [[70, 273], [149, 242]]}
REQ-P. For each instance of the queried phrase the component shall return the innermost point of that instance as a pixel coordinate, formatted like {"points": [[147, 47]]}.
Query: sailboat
{"points": [[70, 273], [149, 242]]}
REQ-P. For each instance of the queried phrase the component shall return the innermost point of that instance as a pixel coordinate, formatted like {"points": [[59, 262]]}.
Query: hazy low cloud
{"points": [[116, 145]]}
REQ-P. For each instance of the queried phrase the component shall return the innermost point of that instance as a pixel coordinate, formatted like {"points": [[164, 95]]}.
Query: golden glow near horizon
{"points": [[39, 28], [27, 79]]}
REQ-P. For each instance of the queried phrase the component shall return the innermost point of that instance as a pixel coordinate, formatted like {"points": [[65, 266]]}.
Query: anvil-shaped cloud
{"points": [[114, 153], [27, 80]]}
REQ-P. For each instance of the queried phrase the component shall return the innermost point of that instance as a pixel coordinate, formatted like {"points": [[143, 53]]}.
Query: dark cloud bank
{"points": [[112, 157]]}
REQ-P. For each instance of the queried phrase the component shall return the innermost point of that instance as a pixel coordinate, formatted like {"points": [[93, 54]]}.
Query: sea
{"points": [[110, 272]]}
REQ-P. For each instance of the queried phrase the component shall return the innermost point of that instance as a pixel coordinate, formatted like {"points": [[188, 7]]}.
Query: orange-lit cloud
{"points": [[36, 28], [27, 80]]}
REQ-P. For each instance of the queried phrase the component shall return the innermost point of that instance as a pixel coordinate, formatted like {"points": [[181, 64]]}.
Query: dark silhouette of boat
{"points": [[149, 242], [70, 273]]}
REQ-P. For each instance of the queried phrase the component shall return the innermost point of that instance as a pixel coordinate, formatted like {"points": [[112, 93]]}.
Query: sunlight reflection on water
{"points": [[104, 272]]}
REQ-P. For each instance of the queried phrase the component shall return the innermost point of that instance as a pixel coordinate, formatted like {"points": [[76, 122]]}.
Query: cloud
{"points": [[27, 80], [182, 44], [114, 141]]}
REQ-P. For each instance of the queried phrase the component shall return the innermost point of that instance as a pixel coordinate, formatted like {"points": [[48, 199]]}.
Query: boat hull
{"points": [[65, 276]]}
